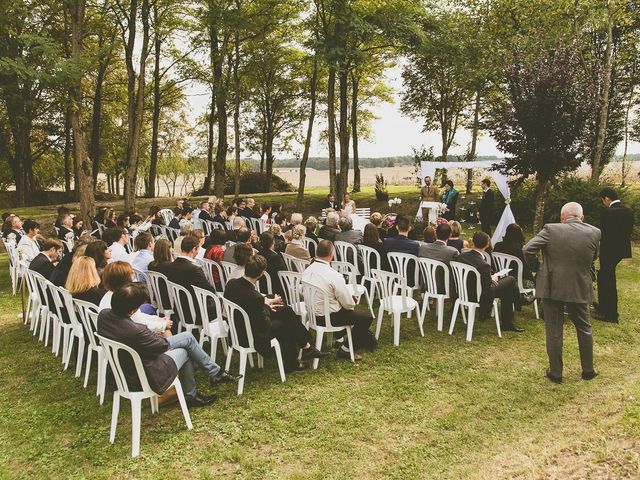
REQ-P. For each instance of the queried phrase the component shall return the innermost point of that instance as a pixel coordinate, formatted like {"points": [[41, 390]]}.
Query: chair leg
{"points": [[495, 307], [243, 371], [471, 321], [67, 346], [276, 347], [420, 321], [115, 409], [440, 313], [80, 357], [183, 404], [103, 379], [535, 307], [350, 339], [319, 334], [155, 408], [227, 365], [224, 345], [396, 328], [136, 420], [454, 315], [87, 367], [213, 342], [379, 323], [369, 301]]}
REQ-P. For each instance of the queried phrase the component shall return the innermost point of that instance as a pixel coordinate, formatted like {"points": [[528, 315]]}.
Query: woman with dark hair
{"points": [[241, 254], [216, 239], [450, 198], [512, 244], [275, 261], [109, 218], [77, 226], [100, 215], [100, 253], [156, 218], [161, 255], [371, 239]]}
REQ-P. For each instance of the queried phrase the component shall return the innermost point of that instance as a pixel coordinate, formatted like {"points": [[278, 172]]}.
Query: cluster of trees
{"points": [[100, 87]]}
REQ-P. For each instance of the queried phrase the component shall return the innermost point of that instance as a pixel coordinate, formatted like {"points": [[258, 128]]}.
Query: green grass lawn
{"points": [[434, 407]]}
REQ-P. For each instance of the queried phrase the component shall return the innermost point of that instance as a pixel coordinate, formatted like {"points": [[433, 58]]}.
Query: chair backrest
{"points": [[265, 285], [347, 252], [288, 261], [364, 212], [182, 303], [486, 255], [256, 225], [70, 307], [313, 297], [292, 285], [207, 226], [209, 266], [228, 268], [368, 256], [167, 215], [217, 226], [204, 298], [401, 264], [158, 284], [311, 245], [295, 264], [41, 284], [430, 270], [171, 233], [141, 276], [112, 351], [235, 313], [89, 322], [461, 272], [32, 286], [156, 230], [389, 285], [56, 302], [347, 270], [504, 260], [12, 251]]}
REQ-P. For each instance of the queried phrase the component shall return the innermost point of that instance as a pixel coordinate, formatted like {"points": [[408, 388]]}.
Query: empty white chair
{"points": [[461, 272], [292, 285], [235, 313], [182, 304], [87, 314], [347, 252], [159, 292], [213, 326], [370, 260], [394, 299], [430, 269], [72, 330], [112, 350], [401, 264], [356, 290], [315, 296], [311, 245], [504, 260]]}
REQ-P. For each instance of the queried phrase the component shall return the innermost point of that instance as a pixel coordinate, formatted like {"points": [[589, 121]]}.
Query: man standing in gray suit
{"points": [[564, 281]]}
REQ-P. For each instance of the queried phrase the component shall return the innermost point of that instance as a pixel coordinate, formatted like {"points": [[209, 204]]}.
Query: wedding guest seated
{"points": [[215, 252], [311, 224], [78, 227], [401, 243], [43, 263], [241, 254], [455, 241], [143, 245], [28, 247], [117, 238], [110, 218], [62, 211], [162, 259], [13, 226], [440, 251], [205, 212], [243, 237], [269, 318], [162, 358], [100, 253], [185, 230], [117, 275], [220, 215], [506, 288], [371, 238], [347, 233], [296, 219], [247, 210], [65, 230], [512, 244], [429, 234], [296, 248], [275, 261], [266, 214], [83, 281], [330, 229], [199, 234], [123, 221], [280, 243], [376, 220], [341, 303], [237, 224], [182, 216], [61, 272]]}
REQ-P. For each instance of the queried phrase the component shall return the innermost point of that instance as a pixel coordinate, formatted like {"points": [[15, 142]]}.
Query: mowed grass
{"points": [[434, 407]]}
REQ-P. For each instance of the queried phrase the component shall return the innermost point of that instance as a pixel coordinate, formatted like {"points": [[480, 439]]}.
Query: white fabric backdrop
{"points": [[500, 180]]}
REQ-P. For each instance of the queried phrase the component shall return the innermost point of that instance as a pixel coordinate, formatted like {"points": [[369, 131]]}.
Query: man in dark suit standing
{"points": [[564, 283], [616, 225], [486, 206], [269, 318], [331, 203], [506, 288], [43, 263]]}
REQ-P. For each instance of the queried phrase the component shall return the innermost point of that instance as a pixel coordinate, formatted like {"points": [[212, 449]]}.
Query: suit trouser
{"points": [[486, 226], [360, 323], [290, 332], [607, 289], [185, 350], [554, 327], [508, 292]]}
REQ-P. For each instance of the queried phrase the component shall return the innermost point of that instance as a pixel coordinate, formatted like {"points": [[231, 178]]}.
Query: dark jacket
{"points": [[187, 274], [328, 233], [161, 370], [401, 244], [311, 235], [204, 215], [486, 206], [175, 223], [93, 295], [42, 265], [475, 259], [332, 205], [616, 225], [516, 251], [61, 271], [275, 264]]}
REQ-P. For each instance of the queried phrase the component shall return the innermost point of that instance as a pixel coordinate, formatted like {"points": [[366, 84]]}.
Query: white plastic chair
{"points": [[295, 264], [504, 260], [183, 306], [256, 225], [311, 245], [265, 285], [214, 328], [71, 331], [112, 350], [429, 269], [461, 272], [314, 296], [394, 299], [157, 286], [14, 265], [209, 266], [87, 313], [237, 313], [228, 268], [370, 255], [167, 215], [141, 276], [292, 285], [348, 270], [34, 302], [171, 233], [400, 263], [347, 252], [44, 319]]}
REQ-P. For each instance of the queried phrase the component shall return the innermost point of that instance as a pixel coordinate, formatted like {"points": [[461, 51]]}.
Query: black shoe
{"points": [[200, 401], [347, 356], [553, 378], [589, 375], [224, 377], [604, 318], [526, 300], [512, 328], [298, 368], [313, 352]]}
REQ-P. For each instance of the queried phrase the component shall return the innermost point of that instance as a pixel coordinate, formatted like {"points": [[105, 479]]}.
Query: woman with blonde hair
{"points": [[297, 248], [455, 241], [83, 281], [279, 240]]}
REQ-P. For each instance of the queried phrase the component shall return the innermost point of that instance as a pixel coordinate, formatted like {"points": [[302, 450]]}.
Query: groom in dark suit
{"points": [[485, 211], [616, 225]]}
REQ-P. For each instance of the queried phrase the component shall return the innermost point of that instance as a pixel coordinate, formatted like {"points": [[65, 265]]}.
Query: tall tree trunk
{"points": [[313, 88], [67, 152], [155, 124], [236, 116], [221, 109], [269, 155], [211, 122], [542, 187], [20, 123], [343, 132], [598, 162], [354, 131], [474, 140], [96, 118], [331, 132], [84, 186]]}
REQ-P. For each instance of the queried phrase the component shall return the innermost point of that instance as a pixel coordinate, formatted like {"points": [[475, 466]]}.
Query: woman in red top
{"points": [[215, 252]]}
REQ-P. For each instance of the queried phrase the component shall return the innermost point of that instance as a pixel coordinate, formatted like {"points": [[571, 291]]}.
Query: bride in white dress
{"points": [[348, 205]]}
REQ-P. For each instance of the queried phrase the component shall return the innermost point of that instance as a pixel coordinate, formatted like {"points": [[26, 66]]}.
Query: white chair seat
{"points": [[404, 306]]}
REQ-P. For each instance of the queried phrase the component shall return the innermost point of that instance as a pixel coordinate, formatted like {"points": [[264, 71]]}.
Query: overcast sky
{"points": [[394, 134]]}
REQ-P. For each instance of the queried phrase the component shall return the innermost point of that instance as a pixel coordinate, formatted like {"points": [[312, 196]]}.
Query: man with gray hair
{"points": [[330, 229], [347, 233], [564, 282]]}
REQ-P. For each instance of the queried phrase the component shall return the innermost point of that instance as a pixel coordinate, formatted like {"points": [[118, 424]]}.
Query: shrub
{"points": [[381, 188], [255, 182]]}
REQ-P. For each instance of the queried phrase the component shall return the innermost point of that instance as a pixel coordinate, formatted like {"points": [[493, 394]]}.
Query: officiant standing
{"points": [[428, 193]]}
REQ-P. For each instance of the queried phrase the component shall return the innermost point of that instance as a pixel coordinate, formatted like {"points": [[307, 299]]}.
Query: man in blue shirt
{"points": [[143, 245]]}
